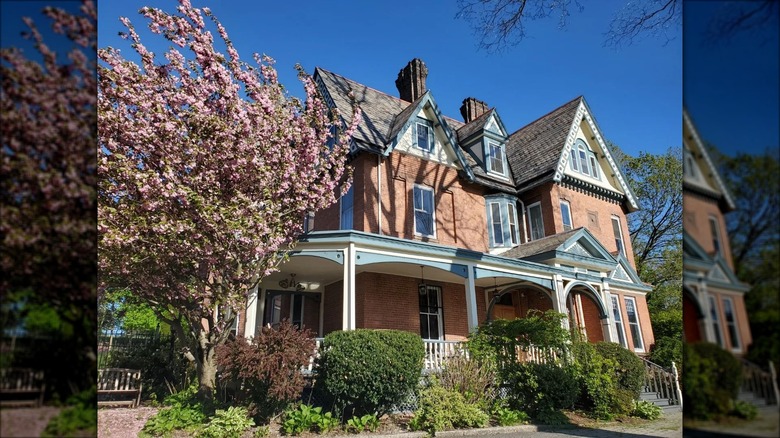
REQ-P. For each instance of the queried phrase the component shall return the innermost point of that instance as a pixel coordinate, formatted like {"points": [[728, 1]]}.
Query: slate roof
{"points": [[534, 150], [540, 246], [474, 126]]}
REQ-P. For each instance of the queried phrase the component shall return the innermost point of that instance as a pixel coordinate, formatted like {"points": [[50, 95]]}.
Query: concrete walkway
{"points": [[766, 424]]}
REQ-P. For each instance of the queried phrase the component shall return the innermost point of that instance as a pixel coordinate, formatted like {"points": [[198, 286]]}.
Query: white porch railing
{"points": [[666, 384]]}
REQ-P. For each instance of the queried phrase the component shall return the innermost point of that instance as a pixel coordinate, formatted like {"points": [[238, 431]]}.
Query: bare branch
{"points": [[653, 17]]}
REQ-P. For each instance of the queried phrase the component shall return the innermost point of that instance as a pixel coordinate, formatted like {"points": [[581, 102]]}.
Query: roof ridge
{"points": [[364, 85], [548, 114]]}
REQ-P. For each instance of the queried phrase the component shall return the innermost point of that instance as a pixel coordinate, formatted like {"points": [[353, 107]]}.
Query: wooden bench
{"points": [[119, 386], [21, 387]]}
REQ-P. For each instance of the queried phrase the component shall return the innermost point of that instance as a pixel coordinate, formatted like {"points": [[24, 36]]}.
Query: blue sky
{"points": [[634, 93], [731, 88]]}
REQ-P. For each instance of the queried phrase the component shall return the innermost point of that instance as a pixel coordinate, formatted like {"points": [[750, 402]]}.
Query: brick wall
{"points": [[332, 320], [696, 213]]}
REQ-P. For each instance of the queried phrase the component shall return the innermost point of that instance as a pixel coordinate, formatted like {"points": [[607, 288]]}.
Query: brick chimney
{"points": [[472, 108], [411, 80]]}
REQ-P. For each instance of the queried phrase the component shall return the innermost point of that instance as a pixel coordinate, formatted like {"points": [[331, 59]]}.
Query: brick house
{"points": [[451, 222], [713, 303]]}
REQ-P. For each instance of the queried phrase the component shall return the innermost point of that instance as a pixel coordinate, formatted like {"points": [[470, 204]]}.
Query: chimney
{"points": [[411, 80], [472, 108]]}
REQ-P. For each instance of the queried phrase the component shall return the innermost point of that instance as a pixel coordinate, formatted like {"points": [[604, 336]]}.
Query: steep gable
{"points": [[699, 171]]}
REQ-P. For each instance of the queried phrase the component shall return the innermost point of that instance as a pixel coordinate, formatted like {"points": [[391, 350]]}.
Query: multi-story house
{"points": [[449, 223], [713, 303]]}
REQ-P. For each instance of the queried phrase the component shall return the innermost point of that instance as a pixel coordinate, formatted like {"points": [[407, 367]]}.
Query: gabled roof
{"points": [[539, 152], [715, 268], [577, 247], [475, 125], [712, 174]]}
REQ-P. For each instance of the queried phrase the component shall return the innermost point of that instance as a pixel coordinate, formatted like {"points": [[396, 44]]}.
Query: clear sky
{"points": [[634, 93], [731, 88]]}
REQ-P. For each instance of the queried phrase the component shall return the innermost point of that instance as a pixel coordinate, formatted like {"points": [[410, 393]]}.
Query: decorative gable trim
{"points": [[583, 113], [707, 160], [408, 117], [624, 269]]}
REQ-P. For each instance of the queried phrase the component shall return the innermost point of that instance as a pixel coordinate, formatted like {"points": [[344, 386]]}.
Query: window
{"points": [[566, 215], [296, 312], [715, 321], [618, 320], [227, 313], [347, 202], [308, 222], [715, 231], [618, 235], [423, 211], [535, 220], [583, 160], [512, 223], [495, 158], [431, 313], [633, 323], [574, 163], [498, 227], [584, 167], [731, 323], [594, 165], [689, 165], [424, 136]]}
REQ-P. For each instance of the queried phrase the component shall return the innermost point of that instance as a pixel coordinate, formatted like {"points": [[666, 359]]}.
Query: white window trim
{"points": [[617, 315], [584, 161], [715, 320], [582, 155], [622, 248], [594, 166], [433, 211], [493, 223], [638, 325], [568, 208], [489, 157], [715, 234], [431, 137], [514, 237], [530, 220], [439, 313], [738, 347]]}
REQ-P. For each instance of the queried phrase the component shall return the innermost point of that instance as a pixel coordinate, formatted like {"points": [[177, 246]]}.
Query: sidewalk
{"points": [[766, 424]]}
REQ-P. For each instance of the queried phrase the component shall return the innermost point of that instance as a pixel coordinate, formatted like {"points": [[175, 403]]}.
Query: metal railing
{"points": [[761, 383], [665, 383]]}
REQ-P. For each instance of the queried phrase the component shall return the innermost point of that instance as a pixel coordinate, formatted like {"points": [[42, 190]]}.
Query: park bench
{"points": [[21, 387], [119, 386]]}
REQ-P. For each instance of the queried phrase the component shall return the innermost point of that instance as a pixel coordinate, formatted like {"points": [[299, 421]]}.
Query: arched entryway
{"points": [[516, 301], [587, 314], [692, 317]]}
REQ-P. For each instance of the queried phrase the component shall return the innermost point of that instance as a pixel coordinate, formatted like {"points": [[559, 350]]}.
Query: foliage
{"points": [[305, 418], [442, 409], [711, 377], [475, 380], [230, 423], [744, 410], [666, 350], [359, 424], [646, 410], [629, 368], [368, 371], [47, 190], [608, 388], [266, 370], [78, 418], [119, 310], [539, 388], [506, 416], [184, 412], [262, 431], [207, 168]]}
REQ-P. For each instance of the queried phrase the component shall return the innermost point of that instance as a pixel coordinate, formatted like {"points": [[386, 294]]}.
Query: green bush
{"points": [[475, 380], [601, 393], [539, 388], [307, 418], [645, 409], [711, 377], [358, 424], [368, 371], [184, 412], [505, 416], [230, 423], [744, 410], [79, 417], [443, 409], [629, 367], [667, 350]]}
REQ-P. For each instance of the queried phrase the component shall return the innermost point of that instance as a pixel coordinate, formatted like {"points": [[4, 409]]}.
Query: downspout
{"points": [[379, 193], [522, 215]]}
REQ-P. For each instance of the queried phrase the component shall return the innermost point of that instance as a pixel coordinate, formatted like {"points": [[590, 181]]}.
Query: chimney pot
{"points": [[411, 80], [472, 108]]}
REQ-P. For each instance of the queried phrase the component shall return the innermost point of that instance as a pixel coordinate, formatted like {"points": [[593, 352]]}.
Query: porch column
{"points": [[471, 300], [704, 302], [251, 314], [348, 304], [559, 303], [609, 326]]}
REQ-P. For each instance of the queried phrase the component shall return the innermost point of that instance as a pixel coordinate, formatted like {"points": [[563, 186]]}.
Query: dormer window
{"points": [[502, 221], [583, 160], [424, 135], [495, 157]]}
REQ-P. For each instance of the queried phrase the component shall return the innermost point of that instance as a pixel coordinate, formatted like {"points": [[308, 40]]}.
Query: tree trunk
{"points": [[206, 366]]}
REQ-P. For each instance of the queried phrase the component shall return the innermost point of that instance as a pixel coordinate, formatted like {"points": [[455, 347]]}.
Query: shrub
{"points": [[601, 393], [368, 371], [475, 380], [443, 409], [307, 418], [645, 409], [78, 417], [184, 412], [711, 378], [539, 388], [358, 424], [230, 423], [629, 367], [505, 416], [744, 410], [667, 350], [266, 371]]}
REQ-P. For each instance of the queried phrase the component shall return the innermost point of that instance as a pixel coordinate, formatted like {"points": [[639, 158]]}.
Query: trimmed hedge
{"points": [[368, 371], [540, 389], [630, 369], [711, 378], [602, 394]]}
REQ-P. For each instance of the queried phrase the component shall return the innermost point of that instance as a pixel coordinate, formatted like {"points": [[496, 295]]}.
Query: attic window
{"points": [[424, 135], [583, 160], [495, 157]]}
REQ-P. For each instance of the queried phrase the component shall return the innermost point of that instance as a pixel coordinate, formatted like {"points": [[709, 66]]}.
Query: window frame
{"points": [[530, 220], [715, 320], [732, 328], [493, 206], [617, 315], [439, 314], [594, 165], [350, 213], [567, 204], [717, 241], [430, 137], [641, 349], [423, 188], [514, 237], [583, 157], [491, 158], [620, 243]]}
